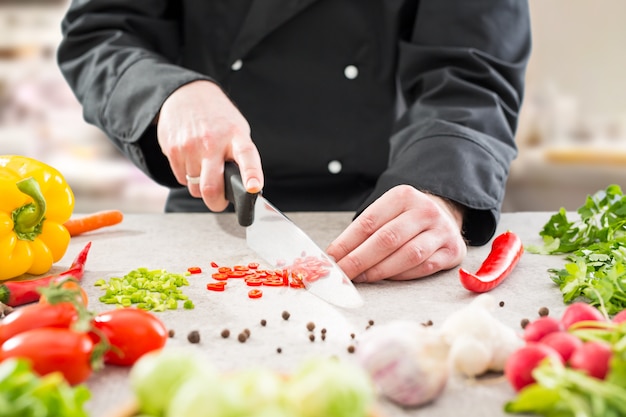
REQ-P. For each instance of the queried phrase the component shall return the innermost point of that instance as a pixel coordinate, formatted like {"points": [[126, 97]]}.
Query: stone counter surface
{"points": [[175, 242]]}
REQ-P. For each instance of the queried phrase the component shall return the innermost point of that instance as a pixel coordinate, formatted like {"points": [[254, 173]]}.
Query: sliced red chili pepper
{"points": [[216, 286], [240, 268], [296, 284], [253, 265], [220, 276], [254, 282], [194, 270], [224, 269], [506, 251], [236, 274], [255, 293], [214, 265], [273, 282]]}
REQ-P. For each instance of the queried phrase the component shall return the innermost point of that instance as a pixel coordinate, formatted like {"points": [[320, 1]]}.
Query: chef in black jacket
{"points": [[403, 111]]}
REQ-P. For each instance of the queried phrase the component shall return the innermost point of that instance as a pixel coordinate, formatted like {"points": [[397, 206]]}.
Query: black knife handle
{"points": [[236, 193]]}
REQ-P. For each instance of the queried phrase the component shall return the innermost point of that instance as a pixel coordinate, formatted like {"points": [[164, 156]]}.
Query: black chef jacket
{"points": [[345, 98]]}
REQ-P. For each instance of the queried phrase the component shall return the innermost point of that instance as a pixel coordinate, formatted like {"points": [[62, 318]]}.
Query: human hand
{"points": [[405, 234], [199, 129]]}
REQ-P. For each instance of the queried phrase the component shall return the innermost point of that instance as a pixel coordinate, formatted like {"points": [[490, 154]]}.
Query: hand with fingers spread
{"points": [[405, 234], [199, 129]]}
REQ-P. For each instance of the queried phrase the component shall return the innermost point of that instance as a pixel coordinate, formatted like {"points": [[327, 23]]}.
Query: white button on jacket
{"points": [[236, 66], [351, 72], [334, 167]]}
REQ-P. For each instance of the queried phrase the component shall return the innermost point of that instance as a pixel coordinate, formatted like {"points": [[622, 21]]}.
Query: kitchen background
{"points": [[572, 133]]}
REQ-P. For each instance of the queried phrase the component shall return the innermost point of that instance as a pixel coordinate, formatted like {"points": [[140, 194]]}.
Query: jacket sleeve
{"points": [[117, 56], [461, 72]]}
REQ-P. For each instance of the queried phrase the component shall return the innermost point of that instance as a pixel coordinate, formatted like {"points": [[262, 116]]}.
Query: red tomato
{"points": [[52, 349], [132, 332], [33, 316]]}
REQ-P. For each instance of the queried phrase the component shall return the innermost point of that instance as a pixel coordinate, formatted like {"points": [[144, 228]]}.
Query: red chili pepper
{"points": [[506, 251], [214, 265], [16, 293], [194, 270]]}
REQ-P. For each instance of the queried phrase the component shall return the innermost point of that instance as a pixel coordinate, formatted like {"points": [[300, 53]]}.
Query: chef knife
{"points": [[282, 244]]}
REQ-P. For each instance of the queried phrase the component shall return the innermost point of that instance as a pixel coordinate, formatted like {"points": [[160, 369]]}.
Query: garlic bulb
{"points": [[478, 341], [407, 361]]}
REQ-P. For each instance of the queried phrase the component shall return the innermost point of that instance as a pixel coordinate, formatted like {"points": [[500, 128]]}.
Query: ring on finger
{"points": [[192, 180]]}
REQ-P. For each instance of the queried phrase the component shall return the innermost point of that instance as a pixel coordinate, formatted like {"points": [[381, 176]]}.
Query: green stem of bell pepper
{"points": [[28, 219]]}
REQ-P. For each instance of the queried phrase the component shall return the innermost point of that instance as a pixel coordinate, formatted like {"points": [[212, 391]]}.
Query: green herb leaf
{"points": [[595, 245], [25, 394]]}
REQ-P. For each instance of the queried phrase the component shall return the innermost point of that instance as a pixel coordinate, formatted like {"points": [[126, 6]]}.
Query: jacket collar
{"points": [[263, 17]]}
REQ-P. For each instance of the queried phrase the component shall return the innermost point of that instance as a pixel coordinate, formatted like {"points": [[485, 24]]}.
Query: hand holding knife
{"points": [[280, 242]]}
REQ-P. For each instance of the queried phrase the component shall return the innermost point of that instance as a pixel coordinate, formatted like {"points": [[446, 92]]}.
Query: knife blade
{"points": [[281, 243]]}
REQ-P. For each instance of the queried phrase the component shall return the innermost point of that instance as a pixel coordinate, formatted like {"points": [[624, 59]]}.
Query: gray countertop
{"points": [[175, 242]]}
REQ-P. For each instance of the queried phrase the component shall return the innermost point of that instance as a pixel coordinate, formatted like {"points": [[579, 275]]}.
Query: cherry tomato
{"points": [[33, 316], [52, 349], [132, 332], [255, 293]]}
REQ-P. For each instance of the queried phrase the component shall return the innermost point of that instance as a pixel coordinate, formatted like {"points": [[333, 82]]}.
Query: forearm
{"points": [[463, 85], [117, 58]]}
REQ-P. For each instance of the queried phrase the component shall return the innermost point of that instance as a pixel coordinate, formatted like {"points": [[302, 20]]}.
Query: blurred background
{"points": [[572, 132]]}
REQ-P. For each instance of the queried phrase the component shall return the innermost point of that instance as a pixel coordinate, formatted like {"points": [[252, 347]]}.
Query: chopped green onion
{"points": [[153, 290]]}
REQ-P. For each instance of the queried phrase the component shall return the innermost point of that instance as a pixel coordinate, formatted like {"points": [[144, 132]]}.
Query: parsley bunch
{"points": [[595, 245]]}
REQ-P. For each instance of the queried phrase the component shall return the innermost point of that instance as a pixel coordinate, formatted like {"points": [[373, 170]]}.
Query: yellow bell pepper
{"points": [[35, 201]]}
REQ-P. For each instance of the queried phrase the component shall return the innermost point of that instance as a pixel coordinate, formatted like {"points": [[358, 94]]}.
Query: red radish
{"points": [[521, 363], [539, 328], [593, 358], [580, 312], [563, 342], [620, 317]]}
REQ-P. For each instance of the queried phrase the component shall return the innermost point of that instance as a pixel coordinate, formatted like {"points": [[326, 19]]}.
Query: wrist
{"points": [[454, 209]]}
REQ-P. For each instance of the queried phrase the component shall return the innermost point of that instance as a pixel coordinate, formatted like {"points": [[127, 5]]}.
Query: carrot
{"points": [[93, 221]]}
